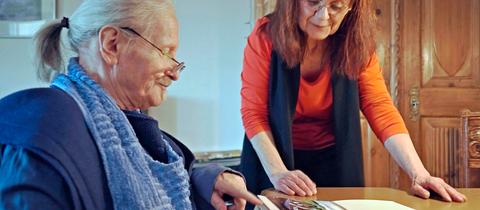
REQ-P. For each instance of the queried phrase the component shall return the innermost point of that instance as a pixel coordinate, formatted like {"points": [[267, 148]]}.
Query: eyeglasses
{"points": [[180, 65], [333, 8]]}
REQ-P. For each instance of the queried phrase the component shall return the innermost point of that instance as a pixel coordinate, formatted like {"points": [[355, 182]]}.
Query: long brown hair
{"points": [[349, 49]]}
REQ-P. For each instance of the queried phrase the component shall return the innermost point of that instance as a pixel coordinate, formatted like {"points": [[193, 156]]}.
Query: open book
{"points": [[357, 204]]}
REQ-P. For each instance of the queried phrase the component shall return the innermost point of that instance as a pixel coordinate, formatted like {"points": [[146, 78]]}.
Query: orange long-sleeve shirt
{"points": [[312, 124]]}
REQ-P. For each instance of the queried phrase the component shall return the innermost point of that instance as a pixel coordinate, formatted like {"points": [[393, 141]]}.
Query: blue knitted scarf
{"points": [[135, 180]]}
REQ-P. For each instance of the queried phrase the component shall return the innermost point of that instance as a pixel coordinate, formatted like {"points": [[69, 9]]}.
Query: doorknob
{"points": [[414, 103]]}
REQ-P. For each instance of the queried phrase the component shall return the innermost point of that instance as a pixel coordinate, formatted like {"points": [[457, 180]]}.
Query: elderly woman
{"points": [[83, 143]]}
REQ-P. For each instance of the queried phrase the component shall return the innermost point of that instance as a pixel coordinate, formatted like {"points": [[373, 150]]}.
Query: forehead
{"points": [[164, 31], [330, 1]]}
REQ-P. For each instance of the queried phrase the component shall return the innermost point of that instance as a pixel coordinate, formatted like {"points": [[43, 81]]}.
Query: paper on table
{"points": [[267, 204], [353, 204], [365, 204]]}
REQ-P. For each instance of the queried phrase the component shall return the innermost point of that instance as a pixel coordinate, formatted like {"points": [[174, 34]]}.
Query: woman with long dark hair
{"points": [[309, 68]]}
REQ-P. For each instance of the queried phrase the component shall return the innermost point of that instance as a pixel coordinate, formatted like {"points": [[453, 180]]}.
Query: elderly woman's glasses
{"points": [[333, 7], [180, 65]]}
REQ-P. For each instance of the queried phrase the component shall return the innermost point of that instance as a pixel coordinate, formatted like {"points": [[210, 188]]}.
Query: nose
{"points": [[173, 74], [322, 13]]}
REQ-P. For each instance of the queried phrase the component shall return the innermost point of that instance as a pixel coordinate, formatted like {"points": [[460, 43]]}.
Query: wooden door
{"points": [[439, 77], [378, 165]]}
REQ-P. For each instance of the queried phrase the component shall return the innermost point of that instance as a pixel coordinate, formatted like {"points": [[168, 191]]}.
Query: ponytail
{"points": [[48, 50], [84, 25]]}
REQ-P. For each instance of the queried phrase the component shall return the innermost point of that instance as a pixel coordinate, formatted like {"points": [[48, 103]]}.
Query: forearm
{"points": [[401, 148], [204, 179], [267, 153]]}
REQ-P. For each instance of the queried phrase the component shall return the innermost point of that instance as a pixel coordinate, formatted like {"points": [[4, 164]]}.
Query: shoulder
{"points": [[42, 111], [260, 38], [261, 25], [49, 122], [372, 69], [31, 100]]}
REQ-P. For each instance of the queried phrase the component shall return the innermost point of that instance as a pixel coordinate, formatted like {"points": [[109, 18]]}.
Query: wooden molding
{"points": [[394, 78], [470, 135]]}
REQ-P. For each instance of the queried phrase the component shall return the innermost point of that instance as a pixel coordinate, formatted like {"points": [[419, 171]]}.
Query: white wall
{"points": [[16, 57], [203, 107]]}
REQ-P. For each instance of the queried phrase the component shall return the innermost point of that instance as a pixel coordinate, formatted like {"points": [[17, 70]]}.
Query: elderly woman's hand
{"points": [[233, 185], [421, 185]]}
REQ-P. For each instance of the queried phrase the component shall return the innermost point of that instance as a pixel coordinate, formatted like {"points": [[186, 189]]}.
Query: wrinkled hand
{"points": [[421, 185], [293, 183], [233, 185]]}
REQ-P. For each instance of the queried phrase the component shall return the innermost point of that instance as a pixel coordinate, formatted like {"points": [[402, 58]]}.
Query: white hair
{"points": [[86, 22]]}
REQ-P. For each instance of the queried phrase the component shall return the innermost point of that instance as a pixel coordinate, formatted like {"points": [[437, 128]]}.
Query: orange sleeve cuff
{"points": [[391, 130], [251, 132]]}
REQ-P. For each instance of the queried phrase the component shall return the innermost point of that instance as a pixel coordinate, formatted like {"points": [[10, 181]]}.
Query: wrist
{"points": [[274, 171], [420, 172]]}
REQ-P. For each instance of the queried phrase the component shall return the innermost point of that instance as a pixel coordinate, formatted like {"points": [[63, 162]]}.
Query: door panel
{"points": [[376, 160], [442, 156], [450, 46], [448, 102], [440, 73]]}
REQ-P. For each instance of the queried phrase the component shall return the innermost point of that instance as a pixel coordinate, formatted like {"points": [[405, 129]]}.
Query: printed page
{"points": [[365, 204]]}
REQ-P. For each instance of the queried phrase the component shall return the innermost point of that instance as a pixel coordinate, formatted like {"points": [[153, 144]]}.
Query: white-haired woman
{"points": [[83, 143]]}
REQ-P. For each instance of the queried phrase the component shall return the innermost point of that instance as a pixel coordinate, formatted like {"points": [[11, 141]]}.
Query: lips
{"points": [[319, 23], [164, 81], [320, 26]]}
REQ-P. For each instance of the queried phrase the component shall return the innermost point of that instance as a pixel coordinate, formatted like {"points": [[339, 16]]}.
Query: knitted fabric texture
{"points": [[135, 180]]}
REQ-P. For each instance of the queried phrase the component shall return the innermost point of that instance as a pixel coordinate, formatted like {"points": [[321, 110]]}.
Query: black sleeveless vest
{"points": [[282, 100]]}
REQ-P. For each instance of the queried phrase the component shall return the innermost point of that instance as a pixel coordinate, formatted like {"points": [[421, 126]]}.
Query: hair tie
{"points": [[64, 23]]}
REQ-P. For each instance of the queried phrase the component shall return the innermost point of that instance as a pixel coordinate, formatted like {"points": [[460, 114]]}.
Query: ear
{"points": [[108, 38]]}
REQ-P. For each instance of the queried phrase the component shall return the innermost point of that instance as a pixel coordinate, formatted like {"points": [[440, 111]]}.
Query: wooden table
{"points": [[402, 197]]}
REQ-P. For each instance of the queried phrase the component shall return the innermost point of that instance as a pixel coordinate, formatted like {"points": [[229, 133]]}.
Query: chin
{"points": [[319, 36], [158, 100], [155, 98]]}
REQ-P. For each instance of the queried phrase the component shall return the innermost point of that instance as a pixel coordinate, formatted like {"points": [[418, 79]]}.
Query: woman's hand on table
{"points": [[293, 183], [422, 184]]}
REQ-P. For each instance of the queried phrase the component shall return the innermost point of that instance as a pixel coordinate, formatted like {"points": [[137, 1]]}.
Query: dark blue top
{"points": [[49, 160]]}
